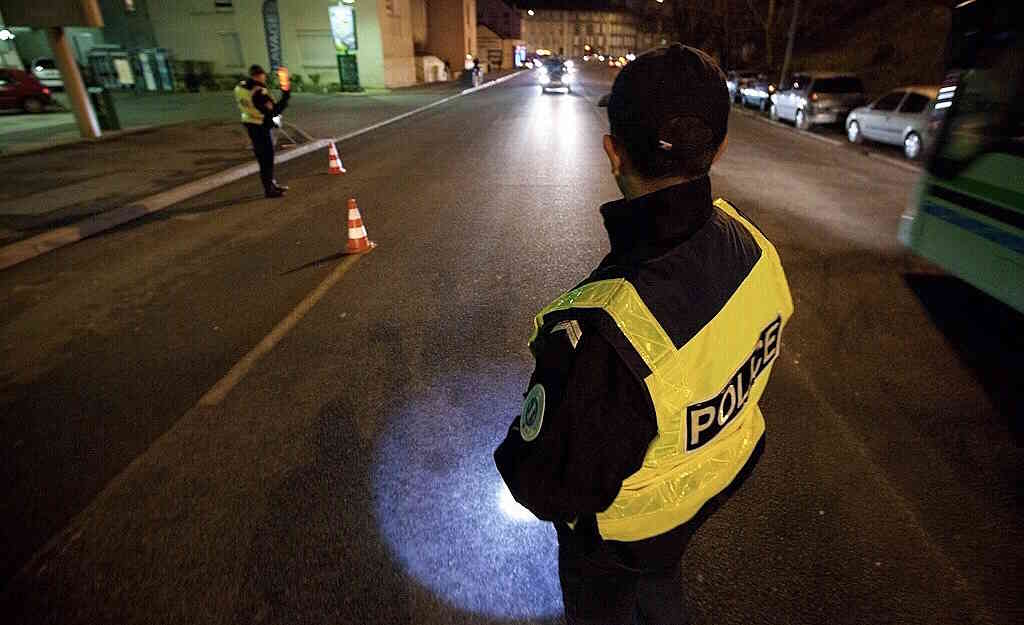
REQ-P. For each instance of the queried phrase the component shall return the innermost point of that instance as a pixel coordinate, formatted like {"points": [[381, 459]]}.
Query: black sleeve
{"points": [[265, 103], [261, 99], [598, 422], [282, 104]]}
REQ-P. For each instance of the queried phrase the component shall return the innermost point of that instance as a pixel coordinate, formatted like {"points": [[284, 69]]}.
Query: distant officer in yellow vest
{"points": [[259, 116], [642, 413]]}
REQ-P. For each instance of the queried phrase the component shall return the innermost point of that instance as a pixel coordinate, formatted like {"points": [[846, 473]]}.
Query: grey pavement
{"points": [[22, 132], [177, 138], [347, 478]]}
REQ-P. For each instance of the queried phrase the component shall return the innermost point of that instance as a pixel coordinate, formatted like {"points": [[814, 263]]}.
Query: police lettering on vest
{"points": [[701, 445], [706, 419]]}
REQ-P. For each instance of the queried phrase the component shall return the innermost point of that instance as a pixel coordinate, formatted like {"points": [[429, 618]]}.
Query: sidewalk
{"points": [[60, 185]]}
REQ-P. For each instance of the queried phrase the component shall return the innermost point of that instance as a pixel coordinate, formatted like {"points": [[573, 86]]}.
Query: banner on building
{"points": [[272, 28], [343, 28]]}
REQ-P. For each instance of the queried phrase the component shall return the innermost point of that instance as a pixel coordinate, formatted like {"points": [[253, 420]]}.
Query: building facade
{"points": [[122, 55], [500, 17], [390, 34], [498, 52], [565, 32], [217, 40], [499, 32]]}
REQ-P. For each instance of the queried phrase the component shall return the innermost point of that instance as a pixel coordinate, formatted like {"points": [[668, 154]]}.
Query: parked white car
{"points": [[900, 117], [45, 70]]}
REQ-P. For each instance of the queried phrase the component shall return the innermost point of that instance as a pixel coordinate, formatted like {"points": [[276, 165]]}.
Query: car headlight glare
{"points": [[544, 79]]}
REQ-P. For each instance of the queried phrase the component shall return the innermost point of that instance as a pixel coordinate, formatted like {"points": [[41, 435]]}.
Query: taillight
{"points": [[814, 97], [46, 91]]}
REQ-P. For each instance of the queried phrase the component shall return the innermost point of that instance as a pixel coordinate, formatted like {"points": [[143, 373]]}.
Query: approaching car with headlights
{"points": [[757, 92], [818, 98], [900, 117], [555, 74]]}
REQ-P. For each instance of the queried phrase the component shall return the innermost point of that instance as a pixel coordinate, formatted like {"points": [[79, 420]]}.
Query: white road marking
{"points": [[237, 373], [27, 249]]}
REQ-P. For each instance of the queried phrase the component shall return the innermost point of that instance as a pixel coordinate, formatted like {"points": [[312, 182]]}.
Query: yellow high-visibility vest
{"points": [[704, 393], [250, 114]]}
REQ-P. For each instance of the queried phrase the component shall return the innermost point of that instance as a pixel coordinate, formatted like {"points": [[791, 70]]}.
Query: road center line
{"points": [[238, 372]]}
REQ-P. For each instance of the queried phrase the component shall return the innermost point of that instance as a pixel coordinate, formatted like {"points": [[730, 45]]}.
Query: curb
{"points": [[835, 142], [425, 107], [107, 136], [31, 247]]}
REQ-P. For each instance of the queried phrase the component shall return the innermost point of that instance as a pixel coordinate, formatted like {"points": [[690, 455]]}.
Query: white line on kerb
{"points": [[27, 249], [220, 390]]}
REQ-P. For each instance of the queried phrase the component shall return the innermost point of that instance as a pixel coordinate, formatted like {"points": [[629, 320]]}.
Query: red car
{"points": [[21, 90]]}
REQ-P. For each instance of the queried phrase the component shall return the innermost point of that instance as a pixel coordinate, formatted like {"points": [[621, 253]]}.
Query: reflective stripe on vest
{"points": [[704, 394], [250, 114]]}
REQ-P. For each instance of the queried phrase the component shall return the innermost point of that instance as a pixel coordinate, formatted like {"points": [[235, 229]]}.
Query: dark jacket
{"points": [[685, 258], [264, 102]]}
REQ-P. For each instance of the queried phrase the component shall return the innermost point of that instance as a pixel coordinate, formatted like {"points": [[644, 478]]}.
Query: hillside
{"points": [[890, 44]]}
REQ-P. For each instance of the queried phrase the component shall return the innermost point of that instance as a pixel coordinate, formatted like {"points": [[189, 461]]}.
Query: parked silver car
{"points": [[900, 117], [736, 80], [818, 98], [757, 92]]}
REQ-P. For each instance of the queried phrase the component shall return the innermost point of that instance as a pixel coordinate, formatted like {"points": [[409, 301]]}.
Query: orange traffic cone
{"points": [[334, 165], [358, 243]]}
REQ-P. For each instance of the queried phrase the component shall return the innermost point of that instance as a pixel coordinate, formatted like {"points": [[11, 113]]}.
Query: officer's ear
{"points": [[721, 150], [616, 154]]}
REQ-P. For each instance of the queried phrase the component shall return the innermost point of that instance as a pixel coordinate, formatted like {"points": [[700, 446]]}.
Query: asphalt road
{"points": [[347, 476]]}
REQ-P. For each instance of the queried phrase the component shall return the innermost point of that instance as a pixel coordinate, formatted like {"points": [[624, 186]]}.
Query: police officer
{"points": [[258, 117], [642, 413]]}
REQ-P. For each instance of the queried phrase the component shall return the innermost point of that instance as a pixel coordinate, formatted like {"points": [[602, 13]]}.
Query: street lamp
{"points": [[530, 13]]}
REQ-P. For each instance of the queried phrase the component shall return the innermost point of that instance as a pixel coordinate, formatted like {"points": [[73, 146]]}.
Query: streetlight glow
{"points": [[530, 12]]}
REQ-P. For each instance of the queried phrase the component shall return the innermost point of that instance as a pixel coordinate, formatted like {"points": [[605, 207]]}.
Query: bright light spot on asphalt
{"points": [[512, 509], [439, 506]]}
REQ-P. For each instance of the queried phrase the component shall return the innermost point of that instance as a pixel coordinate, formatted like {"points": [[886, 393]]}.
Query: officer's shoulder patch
{"points": [[532, 417], [572, 330]]}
